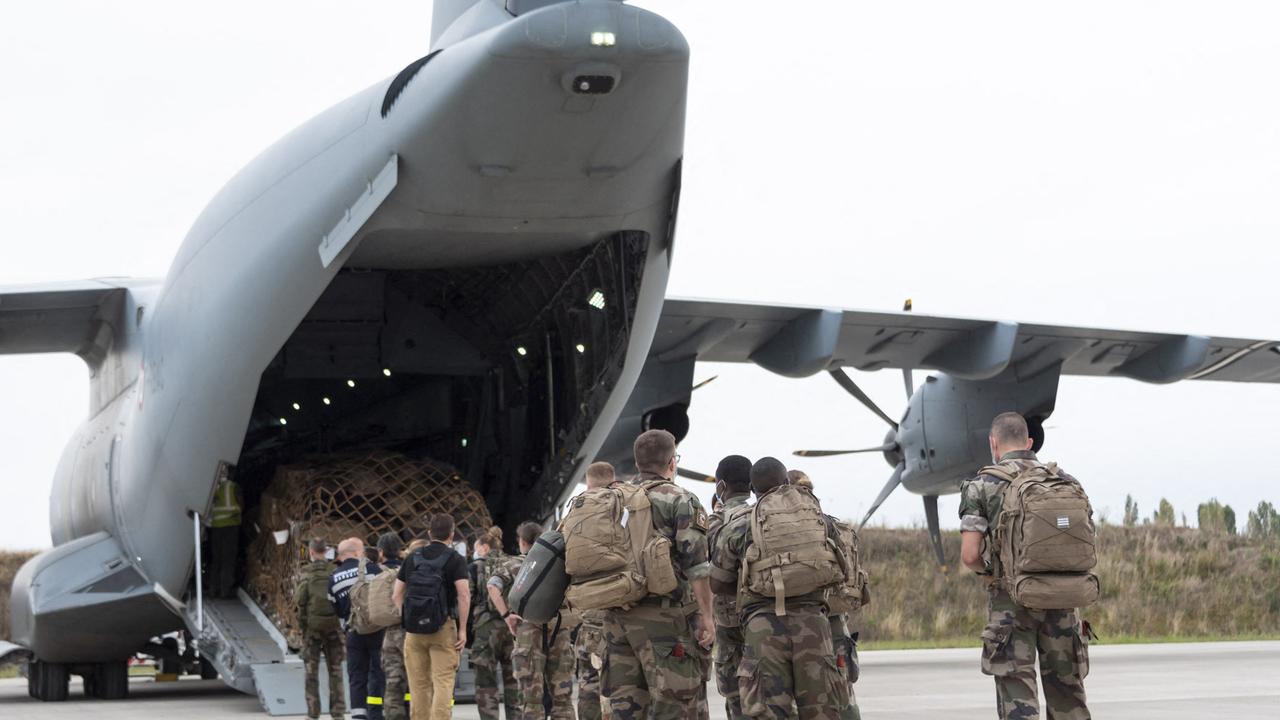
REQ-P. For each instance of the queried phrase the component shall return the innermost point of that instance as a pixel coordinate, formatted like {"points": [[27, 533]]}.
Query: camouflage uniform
{"points": [[728, 647], [788, 666], [395, 691], [652, 668], [491, 646], [541, 661], [1015, 634], [590, 650], [321, 635], [846, 652]]}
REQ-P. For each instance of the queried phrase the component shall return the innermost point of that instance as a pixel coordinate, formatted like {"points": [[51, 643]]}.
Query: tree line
{"points": [[1212, 516]]}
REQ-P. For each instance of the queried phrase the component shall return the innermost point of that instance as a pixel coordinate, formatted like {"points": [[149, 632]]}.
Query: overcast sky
{"points": [[1108, 164]]}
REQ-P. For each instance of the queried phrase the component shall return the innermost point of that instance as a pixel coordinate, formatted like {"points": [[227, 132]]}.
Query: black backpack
{"points": [[426, 602]]}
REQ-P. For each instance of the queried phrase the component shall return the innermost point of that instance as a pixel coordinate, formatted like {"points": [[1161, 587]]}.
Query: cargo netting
{"points": [[347, 496]]}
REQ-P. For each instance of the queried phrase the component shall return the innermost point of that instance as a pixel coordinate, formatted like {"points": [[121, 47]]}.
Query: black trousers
{"points": [[224, 550], [364, 674]]}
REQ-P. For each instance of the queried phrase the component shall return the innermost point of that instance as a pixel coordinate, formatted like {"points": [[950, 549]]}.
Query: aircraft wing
{"points": [[73, 317], [799, 341]]}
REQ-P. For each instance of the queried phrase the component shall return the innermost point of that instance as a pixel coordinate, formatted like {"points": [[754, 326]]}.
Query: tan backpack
{"points": [[1045, 540], [372, 606], [791, 553], [612, 554], [853, 593]]}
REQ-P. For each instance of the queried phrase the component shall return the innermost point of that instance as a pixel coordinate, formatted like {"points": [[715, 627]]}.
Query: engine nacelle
{"points": [[943, 434]]}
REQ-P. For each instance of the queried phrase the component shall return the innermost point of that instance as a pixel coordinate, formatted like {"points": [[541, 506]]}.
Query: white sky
{"points": [[1107, 164]]}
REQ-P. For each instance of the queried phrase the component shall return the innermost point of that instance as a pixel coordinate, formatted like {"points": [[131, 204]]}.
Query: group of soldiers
{"points": [[776, 652], [654, 658]]}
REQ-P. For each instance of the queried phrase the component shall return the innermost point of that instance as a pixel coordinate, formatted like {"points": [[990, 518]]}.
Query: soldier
{"points": [[733, 487], [589, 643], [492, 643], [1015, 634], [541, 660], [321, 633], [652, 667], [844, 634], [788, 668], [395, 691]]}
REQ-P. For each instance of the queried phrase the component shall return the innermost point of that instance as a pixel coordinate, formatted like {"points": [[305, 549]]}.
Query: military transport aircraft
{"points": [[475, 252]]}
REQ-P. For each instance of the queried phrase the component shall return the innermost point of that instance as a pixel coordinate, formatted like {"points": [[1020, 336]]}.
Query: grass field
{"points": [[1160, 584]]}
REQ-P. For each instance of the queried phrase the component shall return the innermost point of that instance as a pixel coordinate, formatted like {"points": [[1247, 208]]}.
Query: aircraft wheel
{"points": [[47, 682], [108, 681]]}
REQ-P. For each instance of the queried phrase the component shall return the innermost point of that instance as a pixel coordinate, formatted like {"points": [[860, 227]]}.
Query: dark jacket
{"points": [[342, 580]]}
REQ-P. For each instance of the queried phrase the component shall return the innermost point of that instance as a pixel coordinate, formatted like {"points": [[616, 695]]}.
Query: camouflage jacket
{"points": [[481, 569], [679, 517], [982, 497], [504, 573], [732, 542], [725, 607]]}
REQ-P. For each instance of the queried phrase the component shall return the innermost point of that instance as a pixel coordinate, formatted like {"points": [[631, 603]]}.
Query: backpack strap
{"points": [[361, 573], [1001, 472]]}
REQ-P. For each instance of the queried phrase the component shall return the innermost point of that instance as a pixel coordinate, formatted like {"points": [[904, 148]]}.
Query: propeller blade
{"points": [[894, 481], [695, 475], [828, 453], [704, 383], [935, 533], [852, 388]]}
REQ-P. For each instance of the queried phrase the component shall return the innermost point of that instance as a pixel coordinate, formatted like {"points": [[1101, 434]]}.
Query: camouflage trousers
{"points": [[788, 668], [542, 663], [1014, 636], [728, 655], [491, 657], [846, 652], [395, 693], [332, 644], [703, 656], [651, 670], [590, 650]]}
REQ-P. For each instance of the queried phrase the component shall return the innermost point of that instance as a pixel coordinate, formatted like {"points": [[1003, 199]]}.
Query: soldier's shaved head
{"points": [[653, 450], [599, 474], [1008, 434], [735, 472], [767, 474]]}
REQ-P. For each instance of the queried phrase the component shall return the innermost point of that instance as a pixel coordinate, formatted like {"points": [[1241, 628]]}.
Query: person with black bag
{"points": [[435, 599]]}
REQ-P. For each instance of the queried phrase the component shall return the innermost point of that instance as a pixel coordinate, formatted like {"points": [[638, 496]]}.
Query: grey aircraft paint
{"points": [[493, 225]]}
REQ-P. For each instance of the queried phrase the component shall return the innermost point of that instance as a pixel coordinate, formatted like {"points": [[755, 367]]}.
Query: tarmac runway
{"points": [[1238, 680]]}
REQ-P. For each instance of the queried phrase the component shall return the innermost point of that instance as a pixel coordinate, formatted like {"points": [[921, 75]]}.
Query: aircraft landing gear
{"points": [[47, 681], [107, 681]]}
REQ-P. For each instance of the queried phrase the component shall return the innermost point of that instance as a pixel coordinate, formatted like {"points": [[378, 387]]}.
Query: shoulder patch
{"points": [[700, 518]]}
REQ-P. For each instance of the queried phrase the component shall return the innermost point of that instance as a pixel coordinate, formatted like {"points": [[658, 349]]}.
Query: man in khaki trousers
{"points": [[435, 598]]}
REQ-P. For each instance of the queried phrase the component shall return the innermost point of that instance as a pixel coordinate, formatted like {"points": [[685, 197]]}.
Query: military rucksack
{"points": [[612, 553], [372, 606], [317, 612], [853, 593], [791, 553], [1044, 539]]}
